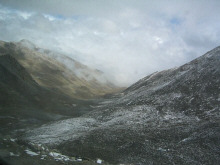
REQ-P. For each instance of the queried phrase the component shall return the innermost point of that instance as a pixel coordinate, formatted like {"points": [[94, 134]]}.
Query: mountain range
{"points": [[168, 117]]}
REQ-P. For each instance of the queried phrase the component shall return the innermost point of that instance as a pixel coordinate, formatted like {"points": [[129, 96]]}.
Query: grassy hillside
{"points": [[58, 72]]}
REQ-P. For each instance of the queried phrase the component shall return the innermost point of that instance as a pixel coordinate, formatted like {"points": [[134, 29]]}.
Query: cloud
{"points": [[126, 39]]}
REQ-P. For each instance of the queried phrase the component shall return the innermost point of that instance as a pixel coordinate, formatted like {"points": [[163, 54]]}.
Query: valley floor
{"points": [[16, 151], [132, 134]]}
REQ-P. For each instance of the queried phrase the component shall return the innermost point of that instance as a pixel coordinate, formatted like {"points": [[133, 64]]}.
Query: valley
{"points": [[168, 117]]}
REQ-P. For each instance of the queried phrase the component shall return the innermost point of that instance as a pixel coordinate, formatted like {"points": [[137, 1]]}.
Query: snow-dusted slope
{"points": [[169, 117]]}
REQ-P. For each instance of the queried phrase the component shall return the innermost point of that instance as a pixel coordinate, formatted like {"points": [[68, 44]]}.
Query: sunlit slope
{"points": [[58, 72]]}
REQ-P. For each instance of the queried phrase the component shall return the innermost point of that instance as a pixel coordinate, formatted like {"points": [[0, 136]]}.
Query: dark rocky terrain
{"points": [[168, 117]]}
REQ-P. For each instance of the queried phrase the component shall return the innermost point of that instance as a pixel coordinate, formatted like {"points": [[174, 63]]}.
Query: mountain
{"points": [[168, 117], [24, 103], [38, 88], [59, 72]]}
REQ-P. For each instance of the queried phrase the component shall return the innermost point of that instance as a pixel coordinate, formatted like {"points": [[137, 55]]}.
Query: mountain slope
{"points": [[19, 91], [169, 117], [24, 103], [58, 72], [14, 80]]}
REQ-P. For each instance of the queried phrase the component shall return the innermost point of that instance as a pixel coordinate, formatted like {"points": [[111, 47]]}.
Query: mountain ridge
{"points": [[59, 72]]}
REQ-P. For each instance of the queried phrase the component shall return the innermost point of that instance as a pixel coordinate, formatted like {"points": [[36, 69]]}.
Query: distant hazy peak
{"points": [[27, 43]]}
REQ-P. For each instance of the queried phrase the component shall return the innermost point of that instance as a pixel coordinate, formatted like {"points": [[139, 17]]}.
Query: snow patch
{"points": [[43, 157], [186, 140], [13, 140], [161, 149], [31, 153], [159, 86], [59, 156], [105, 102], [99, 161], [61, 131], [79, 160], [12, 154], [177, 95], [197, 118], [168, 117]]}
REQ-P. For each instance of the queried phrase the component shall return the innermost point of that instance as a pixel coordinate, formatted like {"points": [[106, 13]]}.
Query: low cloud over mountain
{"points": [[125, 39]]}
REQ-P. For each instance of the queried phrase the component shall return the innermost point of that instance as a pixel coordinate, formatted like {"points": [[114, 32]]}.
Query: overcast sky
{"points": [[127, 39]]}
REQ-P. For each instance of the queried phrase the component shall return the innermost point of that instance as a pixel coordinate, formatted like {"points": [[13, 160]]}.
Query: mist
{"points": [[125, 39]]}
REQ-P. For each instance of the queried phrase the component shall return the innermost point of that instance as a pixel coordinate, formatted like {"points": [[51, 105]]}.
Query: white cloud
{"points": [[126, 39]]}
